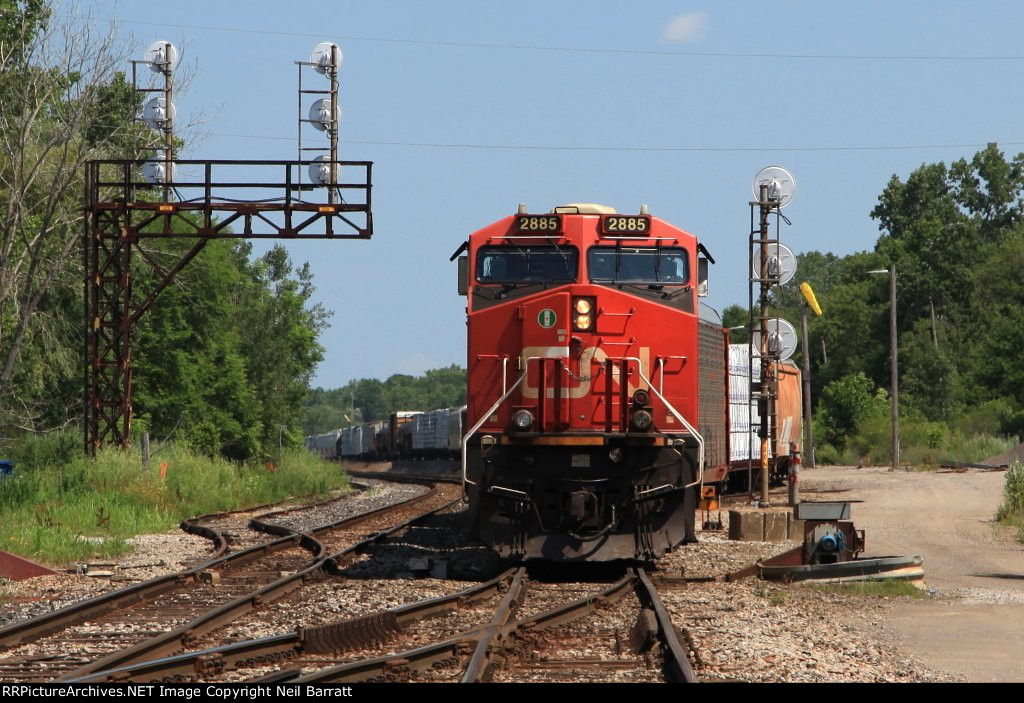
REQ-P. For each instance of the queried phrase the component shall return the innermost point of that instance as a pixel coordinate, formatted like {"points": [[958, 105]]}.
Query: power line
{"points": [[577, 50], [668, 149]]}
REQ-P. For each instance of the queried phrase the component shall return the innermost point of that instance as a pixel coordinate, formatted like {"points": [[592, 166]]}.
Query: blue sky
{"points": [[469, 108]]}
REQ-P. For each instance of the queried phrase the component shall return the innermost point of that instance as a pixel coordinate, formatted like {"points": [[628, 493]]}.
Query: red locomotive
{"points": [[597, 398]]}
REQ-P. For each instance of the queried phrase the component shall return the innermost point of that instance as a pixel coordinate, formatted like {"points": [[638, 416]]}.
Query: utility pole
{"points": [[895, 374], [809, 302], [894, 383]]}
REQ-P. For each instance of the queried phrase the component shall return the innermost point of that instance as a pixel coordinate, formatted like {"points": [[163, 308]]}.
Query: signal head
{"points": [[161, 56], [781, 185], [322, 54]]}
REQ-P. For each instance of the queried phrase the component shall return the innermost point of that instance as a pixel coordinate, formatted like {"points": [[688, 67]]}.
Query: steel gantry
{"points": [[215, 200]]}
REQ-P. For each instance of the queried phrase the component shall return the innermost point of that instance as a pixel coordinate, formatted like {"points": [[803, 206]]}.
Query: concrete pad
{"points": [[775, 523], [746, 525], [750, 524], [795, 529]]}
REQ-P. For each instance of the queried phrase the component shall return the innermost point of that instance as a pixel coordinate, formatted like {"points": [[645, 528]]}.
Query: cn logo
{"points": [[546, 318], [591, 361]]}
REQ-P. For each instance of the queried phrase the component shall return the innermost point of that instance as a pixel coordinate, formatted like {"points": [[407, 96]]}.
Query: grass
{"points": [[774, 596], [76, 509], [1011, 511], [924, 445], [886, 588]]}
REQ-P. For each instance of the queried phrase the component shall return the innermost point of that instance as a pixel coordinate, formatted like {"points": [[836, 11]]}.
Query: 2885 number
{"points": [[538, 223], [626, 224]]}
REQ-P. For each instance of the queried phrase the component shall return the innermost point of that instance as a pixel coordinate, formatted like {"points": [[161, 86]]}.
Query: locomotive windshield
{"points": [[530, 264], [652, 265]]}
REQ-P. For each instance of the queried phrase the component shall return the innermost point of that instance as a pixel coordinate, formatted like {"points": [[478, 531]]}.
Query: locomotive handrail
{"points": [[689, 428], [660, 361], [504, 367], [605, 313], [486, 415], [484, 418]]}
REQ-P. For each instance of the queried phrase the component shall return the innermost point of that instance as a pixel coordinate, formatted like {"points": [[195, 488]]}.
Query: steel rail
{"points": [[677, 662], [183, 637], [404, 478], [26, 631], [341, 635], [479, 661], [397, 666]]}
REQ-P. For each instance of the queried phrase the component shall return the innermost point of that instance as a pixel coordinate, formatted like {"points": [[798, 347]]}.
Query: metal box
{"points": [[824, 510]]}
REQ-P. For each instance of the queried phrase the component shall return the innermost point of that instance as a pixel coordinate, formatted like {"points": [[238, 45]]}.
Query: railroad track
{"points": [[283, 657], [628, 631], [502, 649], [132, 624], [622, 633]]}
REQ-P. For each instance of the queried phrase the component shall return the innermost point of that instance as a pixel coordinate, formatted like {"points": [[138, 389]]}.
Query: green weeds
{"points": [[885, 588], [61, 507], [1011, 511]]}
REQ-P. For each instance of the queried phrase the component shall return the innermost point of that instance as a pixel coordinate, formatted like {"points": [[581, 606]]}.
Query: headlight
{"points": [[583, 309], [642, 420], [522, 419]]}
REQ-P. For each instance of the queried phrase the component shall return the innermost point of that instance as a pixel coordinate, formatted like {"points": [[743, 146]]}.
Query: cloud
{"points": [[686, 28]]}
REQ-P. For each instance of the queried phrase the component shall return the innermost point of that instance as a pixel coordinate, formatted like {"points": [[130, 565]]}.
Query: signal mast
{"points": [[162, 197], [772, 339]]}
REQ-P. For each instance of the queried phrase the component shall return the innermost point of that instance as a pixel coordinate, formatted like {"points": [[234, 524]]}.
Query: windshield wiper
{"points": [[669, 296]]}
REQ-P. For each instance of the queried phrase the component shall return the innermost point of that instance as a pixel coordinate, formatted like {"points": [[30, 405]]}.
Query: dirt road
{"points": [[974, 624]]}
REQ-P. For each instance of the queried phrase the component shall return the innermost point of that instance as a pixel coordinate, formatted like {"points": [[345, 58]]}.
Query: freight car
{"points": [[407, 434], [324, 445], [598, 398]]}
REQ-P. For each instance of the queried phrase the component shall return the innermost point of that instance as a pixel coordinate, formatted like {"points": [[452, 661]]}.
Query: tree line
{"points": [[223, 360], [956, 237], [367, 399]]}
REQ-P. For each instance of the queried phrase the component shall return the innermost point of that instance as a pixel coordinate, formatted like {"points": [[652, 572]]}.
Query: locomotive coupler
{"points": [[582, 508]]}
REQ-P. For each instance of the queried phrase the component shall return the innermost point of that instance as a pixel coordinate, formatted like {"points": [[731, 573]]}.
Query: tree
{"points": [[63, 103], [225, 356], [191, 365], [368, 399], [280, 329], [846, 402]]}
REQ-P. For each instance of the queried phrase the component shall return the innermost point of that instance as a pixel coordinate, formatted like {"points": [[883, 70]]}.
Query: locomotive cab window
{"points": [[650, 265], [532, 264]]}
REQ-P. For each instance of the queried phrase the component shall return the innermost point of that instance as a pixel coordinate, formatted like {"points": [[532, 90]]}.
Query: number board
{"points": [[550, 224], [625, 224]]}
